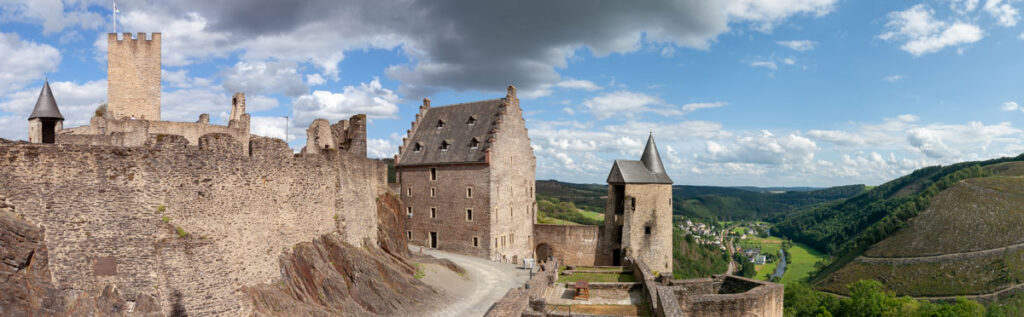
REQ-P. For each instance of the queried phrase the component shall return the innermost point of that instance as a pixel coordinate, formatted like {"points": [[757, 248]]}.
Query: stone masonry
{"points": [[133, 76], [113, 213], [466, 174]]}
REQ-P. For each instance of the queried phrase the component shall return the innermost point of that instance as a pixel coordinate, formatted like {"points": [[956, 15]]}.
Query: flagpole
{"points": [[114, 10]]}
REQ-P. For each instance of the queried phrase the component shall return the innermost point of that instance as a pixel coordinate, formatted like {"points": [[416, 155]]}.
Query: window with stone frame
{"points": [[408, 192], [469, 192], [408, 211], [408, 235], [647, 230], [433, 192], [469, 214], [433, 212], [474, 144], [476, 242], [433, 173], [445, 145]]}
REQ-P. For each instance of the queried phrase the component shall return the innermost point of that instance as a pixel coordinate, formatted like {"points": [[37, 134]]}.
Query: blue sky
{"points": [[736, 92]]}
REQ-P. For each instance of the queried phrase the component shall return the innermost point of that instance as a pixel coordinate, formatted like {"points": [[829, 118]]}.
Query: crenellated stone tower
{"points": [[638, 217], [133, 76]]}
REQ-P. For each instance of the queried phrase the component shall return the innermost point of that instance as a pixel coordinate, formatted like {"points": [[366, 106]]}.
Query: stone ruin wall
{"points": [[103, 208], [720, 295], [571, 245], [102, 131]]}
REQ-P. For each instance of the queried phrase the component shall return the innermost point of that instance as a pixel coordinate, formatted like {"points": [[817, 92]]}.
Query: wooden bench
{"points": [[582, 290]]}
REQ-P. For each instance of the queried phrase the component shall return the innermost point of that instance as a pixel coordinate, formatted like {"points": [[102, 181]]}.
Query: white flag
{"points": [[115, 8]]}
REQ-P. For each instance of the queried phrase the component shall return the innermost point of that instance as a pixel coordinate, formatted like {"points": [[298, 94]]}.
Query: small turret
{"points": [[45, 120]]}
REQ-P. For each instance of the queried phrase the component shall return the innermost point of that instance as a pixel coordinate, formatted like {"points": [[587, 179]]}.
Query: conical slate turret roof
{"points": [[46, 106], [651, 158], [648, 170]]}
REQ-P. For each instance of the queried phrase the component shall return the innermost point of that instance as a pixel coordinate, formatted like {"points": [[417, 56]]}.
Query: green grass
{"points": [[545, 220], [765, 271], [770, 245], [802, 263], [596, 216], [606, 268], [597, 277]]}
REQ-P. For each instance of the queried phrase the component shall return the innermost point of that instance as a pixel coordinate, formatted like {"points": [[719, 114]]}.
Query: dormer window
{"points": [[417, 147], [445, 145], [471, 121], [440, 124], [474, 143]]}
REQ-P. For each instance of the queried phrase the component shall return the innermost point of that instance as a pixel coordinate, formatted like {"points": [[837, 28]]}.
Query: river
{"points": [[781, 267]]}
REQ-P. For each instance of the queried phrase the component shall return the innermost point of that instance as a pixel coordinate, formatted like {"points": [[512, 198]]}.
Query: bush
{"points": [[181, 232]]}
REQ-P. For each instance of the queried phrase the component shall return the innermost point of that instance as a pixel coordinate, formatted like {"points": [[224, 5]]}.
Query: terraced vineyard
{"points": [[968, 242]]}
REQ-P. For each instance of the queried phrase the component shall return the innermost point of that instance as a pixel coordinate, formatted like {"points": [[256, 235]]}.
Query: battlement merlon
{"points": [[127, 37]]}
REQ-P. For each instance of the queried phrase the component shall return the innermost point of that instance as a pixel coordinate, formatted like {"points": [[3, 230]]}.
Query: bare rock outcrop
{"points": [[328, 277]]}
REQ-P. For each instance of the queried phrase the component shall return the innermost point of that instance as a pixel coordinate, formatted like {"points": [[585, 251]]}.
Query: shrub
{"points": [[161, 208], [181, 232], [166, 219]]}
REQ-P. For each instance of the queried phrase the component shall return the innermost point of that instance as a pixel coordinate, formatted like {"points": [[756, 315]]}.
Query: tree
{"points": [[748, 269]]}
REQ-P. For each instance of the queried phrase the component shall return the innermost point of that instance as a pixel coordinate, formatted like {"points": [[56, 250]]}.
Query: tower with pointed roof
{"points": [[638, 216], [45, 120]]}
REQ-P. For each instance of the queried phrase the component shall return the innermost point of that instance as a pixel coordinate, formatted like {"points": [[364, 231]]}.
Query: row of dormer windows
{"points": [[445, 145], [470, 122]]}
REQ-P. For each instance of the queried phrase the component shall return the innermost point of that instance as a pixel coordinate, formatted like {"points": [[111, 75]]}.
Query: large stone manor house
{"points": [[467, 176]]}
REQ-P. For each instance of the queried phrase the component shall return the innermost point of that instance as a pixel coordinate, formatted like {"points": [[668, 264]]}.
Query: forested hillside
{"points": [[846, 228], [704, 202]]}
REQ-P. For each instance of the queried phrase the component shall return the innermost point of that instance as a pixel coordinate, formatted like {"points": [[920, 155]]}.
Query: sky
{"points": [[736, 92]]}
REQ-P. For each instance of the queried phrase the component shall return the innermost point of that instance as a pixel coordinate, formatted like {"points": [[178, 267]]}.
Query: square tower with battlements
{"points": [[133, 76]]}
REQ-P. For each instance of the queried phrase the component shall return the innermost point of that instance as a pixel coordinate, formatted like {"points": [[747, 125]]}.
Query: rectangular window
{"points": [[433, 212], [647, 230], [408, 211], [476, 242], [433, 192], [632, 202], [469, 192], [433, 174], [408, 234], [469, 214], [408, 192]]}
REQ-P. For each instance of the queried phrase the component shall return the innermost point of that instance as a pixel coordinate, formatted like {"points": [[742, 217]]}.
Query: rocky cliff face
{"points": [[25, 285], [328, 277]]}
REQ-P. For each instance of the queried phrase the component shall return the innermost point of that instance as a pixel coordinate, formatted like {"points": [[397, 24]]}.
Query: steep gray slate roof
{"points": [[456, 131], [648, 170], [46, 106]]}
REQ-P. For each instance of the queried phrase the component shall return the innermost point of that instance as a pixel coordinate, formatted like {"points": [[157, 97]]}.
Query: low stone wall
{"points": [[572, 245], [517, 300], [721, 295]]}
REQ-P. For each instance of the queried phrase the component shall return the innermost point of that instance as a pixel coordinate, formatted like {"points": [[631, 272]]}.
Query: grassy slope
{"points": [[802, 263], [974, 214]]}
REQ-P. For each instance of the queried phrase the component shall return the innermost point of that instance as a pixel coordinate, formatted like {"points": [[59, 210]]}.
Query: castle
{"points": [[181, 213], [466, 172]]}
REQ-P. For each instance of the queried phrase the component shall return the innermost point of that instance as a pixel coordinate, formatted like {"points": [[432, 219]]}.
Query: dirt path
{"points": [[728, 247], [939, 258], [487, 282]]}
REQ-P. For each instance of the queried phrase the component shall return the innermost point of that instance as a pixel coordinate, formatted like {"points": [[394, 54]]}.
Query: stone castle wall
{"points": [[127, 132], [653, 209], [112, 213], [133, 76], [513, 171], [455, 232], [571, 245]]}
